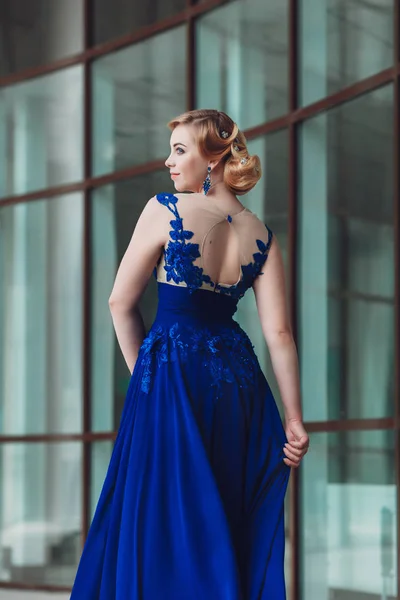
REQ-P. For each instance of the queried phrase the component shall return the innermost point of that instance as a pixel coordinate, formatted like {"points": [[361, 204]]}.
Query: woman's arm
{"points": [[132, 278], [270, 293], [130, 332]]}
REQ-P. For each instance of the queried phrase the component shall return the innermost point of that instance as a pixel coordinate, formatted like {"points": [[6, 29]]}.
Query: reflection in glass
{"points": [[38, 32], [40, 512], [136, 92], [113, 19], [342, 43], [115, 210], [349, 516], [346, 260], [41, 316], [100, 456], [41, 132], [269, 201], [242, 60]]}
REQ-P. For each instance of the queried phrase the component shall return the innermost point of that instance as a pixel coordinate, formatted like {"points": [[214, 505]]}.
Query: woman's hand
{"points": [[298, 443]]}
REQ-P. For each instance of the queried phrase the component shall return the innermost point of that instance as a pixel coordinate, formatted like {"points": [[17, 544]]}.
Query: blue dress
{"points": [[192, 507]]}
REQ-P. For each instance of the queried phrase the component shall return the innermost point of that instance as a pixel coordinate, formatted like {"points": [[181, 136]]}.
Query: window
{"points": [[125, 16], [38, 32], [41, 316], [41, 132], [347, 260], [341, 43], [136, 92], [242, 60], [349, 521]]}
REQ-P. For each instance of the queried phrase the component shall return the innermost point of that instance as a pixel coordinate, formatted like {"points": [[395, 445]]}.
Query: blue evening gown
{"points": [[192, 506]]}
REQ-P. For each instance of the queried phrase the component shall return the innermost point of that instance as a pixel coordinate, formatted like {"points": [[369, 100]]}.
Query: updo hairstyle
{"points": [[219, 138]]}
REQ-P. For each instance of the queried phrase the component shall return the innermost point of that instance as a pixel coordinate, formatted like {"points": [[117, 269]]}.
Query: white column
{"points": [[105, 259], [104, 142], [65, 27], [209, 65], [3, 146], [105, 262]]}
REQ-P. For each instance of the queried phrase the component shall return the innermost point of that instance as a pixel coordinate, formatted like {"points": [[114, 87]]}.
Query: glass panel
{"points": [[38, 32], [41, 512], [347, 260], [114, 19], [269, 200], [342, 42], [41, 132], [101, 454], [348, 500], [242, 60], [41, 316], [116, 209], [136, 92]]}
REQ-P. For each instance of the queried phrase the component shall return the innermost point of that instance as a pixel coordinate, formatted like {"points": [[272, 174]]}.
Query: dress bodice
{"points": [[189, 258]]}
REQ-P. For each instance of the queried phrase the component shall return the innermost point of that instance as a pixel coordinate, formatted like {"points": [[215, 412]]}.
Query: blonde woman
{"points": [[192, 504]]}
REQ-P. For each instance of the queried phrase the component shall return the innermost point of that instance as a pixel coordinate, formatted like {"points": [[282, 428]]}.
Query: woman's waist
{"points": [[181, 304], [167, 317]]}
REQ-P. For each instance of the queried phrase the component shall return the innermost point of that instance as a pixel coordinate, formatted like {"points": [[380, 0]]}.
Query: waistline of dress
{"points": [[182, 304]]}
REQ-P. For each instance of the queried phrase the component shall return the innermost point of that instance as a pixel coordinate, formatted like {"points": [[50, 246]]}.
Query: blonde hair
{"points": [[219, 138]]}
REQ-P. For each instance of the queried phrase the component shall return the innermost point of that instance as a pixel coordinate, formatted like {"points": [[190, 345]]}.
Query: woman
{"points": [[192, 504]]}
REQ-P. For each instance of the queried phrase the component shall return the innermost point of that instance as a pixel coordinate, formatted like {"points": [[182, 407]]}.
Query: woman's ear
{"points": [[213, 164]]}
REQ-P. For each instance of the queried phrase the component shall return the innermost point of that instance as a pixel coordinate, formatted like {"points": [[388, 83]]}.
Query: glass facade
{"points": [[41, 132], [242, 60], [38, 32], [41, 524], [41, 317], [341, 43], [349, 516], [122, 17], [135, 92], [346, 260], [86, 90]]}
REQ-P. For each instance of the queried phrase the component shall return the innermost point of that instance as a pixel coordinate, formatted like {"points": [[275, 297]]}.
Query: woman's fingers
{"points": [[294, 457], [297, 443], [295, 451]]}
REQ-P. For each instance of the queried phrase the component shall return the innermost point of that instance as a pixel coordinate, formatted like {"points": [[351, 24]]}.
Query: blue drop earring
{"points": [[207, 182]]}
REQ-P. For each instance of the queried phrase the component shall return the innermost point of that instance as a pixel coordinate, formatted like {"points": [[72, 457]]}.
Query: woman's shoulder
{"points": [[189, 203], [183, 202], [168, 198]]}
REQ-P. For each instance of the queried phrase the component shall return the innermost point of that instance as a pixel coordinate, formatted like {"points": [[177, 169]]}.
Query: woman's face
{"points": [[187, 167]]}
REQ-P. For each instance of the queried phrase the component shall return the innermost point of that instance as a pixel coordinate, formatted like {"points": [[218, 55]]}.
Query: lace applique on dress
{"points": [[167, 344], [181, 254], [250, 271]]}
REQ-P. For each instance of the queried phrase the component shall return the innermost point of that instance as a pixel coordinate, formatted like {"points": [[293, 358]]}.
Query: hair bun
{"points": [[242, 173]]}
